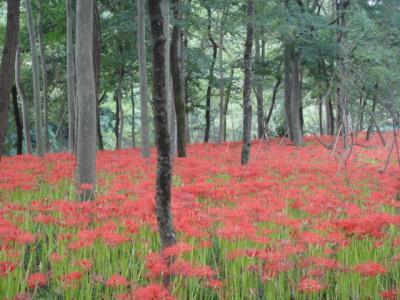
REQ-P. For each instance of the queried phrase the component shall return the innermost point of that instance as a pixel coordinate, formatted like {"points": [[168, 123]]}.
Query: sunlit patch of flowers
{"points": [[285, 226]]}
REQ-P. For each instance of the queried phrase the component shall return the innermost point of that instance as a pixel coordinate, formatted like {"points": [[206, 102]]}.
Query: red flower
{"points": [[116, 281], [71, 278], [370, 269], [308, 285], [37, 279], [85, 264], [149, 292], [177, 249], [389, 294], [6, 267]]}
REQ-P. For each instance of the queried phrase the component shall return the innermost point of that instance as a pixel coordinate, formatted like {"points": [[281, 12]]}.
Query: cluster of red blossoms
{"points": [[287, 210]]}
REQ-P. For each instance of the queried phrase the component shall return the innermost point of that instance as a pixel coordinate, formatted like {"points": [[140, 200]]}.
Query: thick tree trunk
{"points": [[248, 74], [287, 88], [86, 100], [144, 115], [96, 70], [40, 148], [21, 92], [185, 80], [71, 79], [178, 89], [7, 65], [17, 118], [221, 133], [330, 118], [45, 92], [297, 135], [164, 166], [210, 78]]}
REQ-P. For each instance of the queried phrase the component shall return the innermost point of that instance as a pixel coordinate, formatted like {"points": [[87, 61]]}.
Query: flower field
{"points": [[285, 226]]}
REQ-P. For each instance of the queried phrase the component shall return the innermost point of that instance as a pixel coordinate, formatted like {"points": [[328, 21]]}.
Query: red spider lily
{"points": [[177, 249], [370, 269], [308, 285], [185, 268], [37, 279], [71, 278], [149, 292], [55, 257], [84, 264], [85, 186], [23, 296], [214, 284], [156, 265], [116, 280], [6, 267], [389, 294]]}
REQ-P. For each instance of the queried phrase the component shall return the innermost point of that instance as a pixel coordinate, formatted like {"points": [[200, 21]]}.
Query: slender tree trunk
{"points": [[40, 148], [133, 116], [71, 78], [210, 77], [45, 92], [371, 122], [248, 74], [86, 100], [178, 89], [259, 94], [144, 115], [96, 70], [273, 100], [185, 79], [17, 118], [221, 133], [21, 92], [320, 118], [228, 97], [297, 136], [330, 119], [164, 165], [7, 65], [117, 100]]}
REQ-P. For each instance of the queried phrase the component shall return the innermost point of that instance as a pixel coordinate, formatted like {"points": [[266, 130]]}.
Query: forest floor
{"points": [[295, 223]]}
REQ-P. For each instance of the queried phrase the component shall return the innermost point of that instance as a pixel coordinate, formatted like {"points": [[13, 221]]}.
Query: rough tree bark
{"points": [[7, 65], [45, 92], [164, 166], [210, 77], [17, 118], [247, 109], [178, 89], [21, 93], [71, 78], [40, 148], [144, 115], [86, 100]]}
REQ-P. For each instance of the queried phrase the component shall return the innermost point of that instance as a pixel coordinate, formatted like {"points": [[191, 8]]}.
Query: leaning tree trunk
{"points": [[144, 115], [164, 166], [178, 89], [7, 65], [210, 78], [17, 118], [71, 79], [45, 91], [247, 110], [21, 92], [86, 100], [273, 100], [40, 149]]}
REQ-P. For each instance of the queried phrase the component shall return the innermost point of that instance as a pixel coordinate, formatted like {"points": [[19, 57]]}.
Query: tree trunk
{"points": [[45, 92], [210, 77], [178, 89], [185, 79], [7, 65], [144, 115], [17, 118], [320, 118], [228, 97], [287, 87], [330, 119], [221, 133], [86, 100], [71, 79], [247, 110], [371, 122], [273, 100], [259, 94], [164, 166], [297, 136], [117, 100], [40, 149], [133, 116], [21, 92], [96, 70]]}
